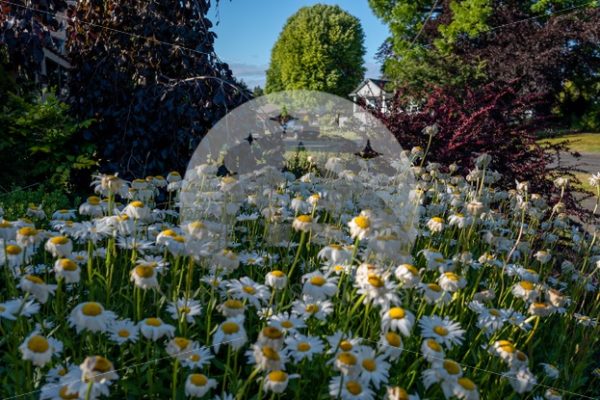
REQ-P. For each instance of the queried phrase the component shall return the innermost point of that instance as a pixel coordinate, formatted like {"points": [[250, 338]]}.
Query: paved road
{"points": [[589, 163]]}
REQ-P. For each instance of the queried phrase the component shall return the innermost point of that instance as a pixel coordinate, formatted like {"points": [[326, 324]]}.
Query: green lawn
{"points": [[582, 142]]}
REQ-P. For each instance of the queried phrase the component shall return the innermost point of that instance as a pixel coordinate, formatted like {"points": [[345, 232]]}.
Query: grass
{"points": [[582, 142]]}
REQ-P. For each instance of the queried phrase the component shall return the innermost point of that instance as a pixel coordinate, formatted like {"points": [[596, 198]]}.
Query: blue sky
{"points": [[248, 29]]}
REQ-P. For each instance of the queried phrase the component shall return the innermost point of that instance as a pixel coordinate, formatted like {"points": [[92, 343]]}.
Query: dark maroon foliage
{"points": [[152, 101], [25, 30], [492, 119]]}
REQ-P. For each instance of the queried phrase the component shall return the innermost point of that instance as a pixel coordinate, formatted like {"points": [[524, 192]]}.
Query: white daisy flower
{"points": [[36, 286], [68, 270], [197, 385], [90, 316], [349, 389], [397, 319], [230, 332], [277, 381], [196, 358], [374, 368], [443, 330], [276, 279], [408, 276], [59, 246], [184, 308], [39, 349], [319, 286], [300, 347], [123, 331], [451, 282], [390, 345], [154, 328], [246, 289]]}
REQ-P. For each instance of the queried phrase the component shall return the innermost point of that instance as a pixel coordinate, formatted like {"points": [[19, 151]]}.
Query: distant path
{"points": [[589, 163]]}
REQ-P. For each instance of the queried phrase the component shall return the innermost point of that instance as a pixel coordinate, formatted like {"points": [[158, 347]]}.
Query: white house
{"points": [[373, 93]]}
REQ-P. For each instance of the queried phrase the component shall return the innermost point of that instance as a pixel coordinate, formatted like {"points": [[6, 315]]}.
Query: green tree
{"points": [[320, 48], [539, 44]]}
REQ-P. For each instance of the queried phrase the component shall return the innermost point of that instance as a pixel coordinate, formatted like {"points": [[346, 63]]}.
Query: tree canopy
{"points": [[543, 46], [152, 81], [320, 48]]}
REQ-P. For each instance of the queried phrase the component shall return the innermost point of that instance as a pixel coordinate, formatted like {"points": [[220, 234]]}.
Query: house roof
{"points": [[378, 82]]}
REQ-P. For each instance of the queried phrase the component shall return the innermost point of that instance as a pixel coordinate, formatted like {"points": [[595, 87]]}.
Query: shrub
{"points": [[15, 202], [35, 145], [492, 119]]}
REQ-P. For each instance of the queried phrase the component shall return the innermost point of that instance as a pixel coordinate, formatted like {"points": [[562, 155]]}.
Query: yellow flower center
{"points": [[91, 309], [346, 345], [195, 357], [272, 333], [277, 376], [412, 269], [375, 281], [198, 379], [5, 224], [144, 271], [230, 328], [249, 289], [303, 347], [335, 246], [354, 387], [304, 218], [102, 364], [347, 358], [287, 324], [182, 343], [153, 322], [434, 287], [38, 344], [93, 200], [270, 353], [136, 204], [440, 330], [228, 180], [317, 280], [277, 273], [433, 345], [234, 304], [169, 233], [124, 333], [34, 279], [451, 367], [184, 310], [64, 394], [437, 220], [179, 239], [197, 225], [27, 231], [397, 313], [13, 250], [362, 222], [67, 265], [494, 312], [369, 364], [60, 240], [466, 383], [452, 276], [312, 308], [526, 285], [393, 339]]}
